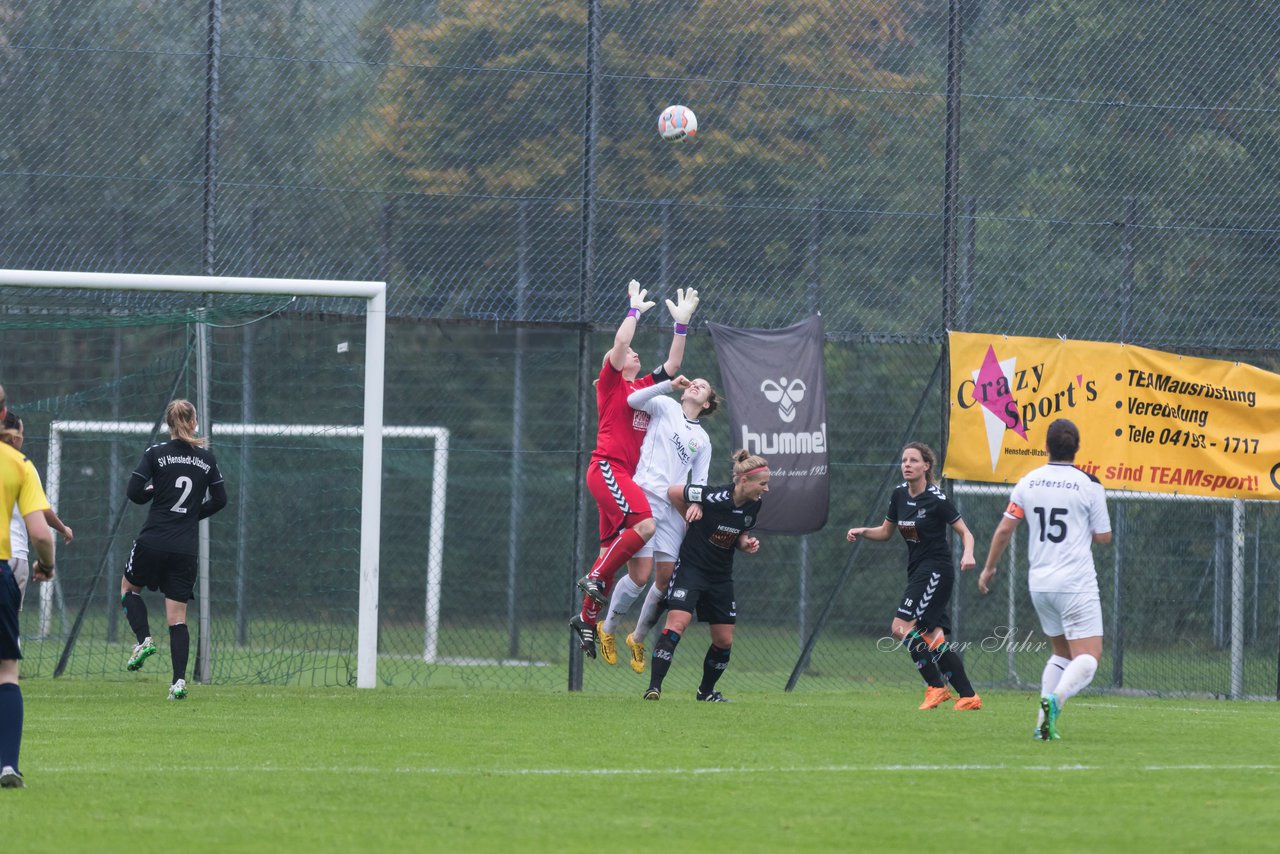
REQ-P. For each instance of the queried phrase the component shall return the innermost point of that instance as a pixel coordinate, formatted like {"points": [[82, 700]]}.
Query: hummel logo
{"points": [[785, 394]]}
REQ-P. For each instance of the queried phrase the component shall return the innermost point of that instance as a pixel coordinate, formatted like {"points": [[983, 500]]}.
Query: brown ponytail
{"points": [[929, 457]]}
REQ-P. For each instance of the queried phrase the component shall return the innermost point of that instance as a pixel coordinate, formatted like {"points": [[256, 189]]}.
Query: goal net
{"points": [[287, 377], [273, 448]]}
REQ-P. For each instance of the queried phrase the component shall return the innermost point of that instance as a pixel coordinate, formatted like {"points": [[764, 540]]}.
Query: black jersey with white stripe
{"points": [[923, 521], [710, 542], [185, 487]]}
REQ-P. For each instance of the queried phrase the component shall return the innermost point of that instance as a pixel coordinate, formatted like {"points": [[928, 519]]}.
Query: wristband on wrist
{"points": [[633, 312], [682, 329]]}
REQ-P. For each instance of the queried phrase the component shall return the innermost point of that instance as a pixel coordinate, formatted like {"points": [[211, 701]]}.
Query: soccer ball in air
{"points": [[677, 123]]}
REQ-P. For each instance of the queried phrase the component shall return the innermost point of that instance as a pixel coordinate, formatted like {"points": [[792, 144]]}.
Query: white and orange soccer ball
{"points": [[677, 123]]}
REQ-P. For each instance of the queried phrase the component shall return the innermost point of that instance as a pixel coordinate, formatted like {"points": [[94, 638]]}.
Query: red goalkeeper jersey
{"points": [[620, 429]]}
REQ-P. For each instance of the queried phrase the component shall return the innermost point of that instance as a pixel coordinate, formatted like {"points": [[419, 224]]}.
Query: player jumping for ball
{"points": [[626, 522]]}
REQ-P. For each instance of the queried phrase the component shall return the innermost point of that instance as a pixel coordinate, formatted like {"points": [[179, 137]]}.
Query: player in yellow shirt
{"points": [[20, 486]]}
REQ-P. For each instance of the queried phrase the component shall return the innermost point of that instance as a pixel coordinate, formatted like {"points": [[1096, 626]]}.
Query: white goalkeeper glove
{"points": [[637, 294], [682, 309]]}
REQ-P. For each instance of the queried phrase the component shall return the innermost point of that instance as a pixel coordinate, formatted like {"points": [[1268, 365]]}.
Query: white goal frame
{"points": [[439, 437], [375, 296]]}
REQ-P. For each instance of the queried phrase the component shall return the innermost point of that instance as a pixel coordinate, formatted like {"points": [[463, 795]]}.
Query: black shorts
{"points": [[927, 598], [10, 599], [171, 573], [708, 596]]}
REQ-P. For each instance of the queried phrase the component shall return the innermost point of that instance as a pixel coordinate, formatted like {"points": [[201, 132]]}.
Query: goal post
{"points": [[375, 296]]}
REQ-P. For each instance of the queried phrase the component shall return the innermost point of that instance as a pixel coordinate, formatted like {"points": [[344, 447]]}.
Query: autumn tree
{"points": [[801, 104]]}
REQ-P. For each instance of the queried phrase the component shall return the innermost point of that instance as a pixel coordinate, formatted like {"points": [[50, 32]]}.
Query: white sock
{"points": [[1053, 670], [625, 593], [648, 613], [1049, 679], [1076, 677]]}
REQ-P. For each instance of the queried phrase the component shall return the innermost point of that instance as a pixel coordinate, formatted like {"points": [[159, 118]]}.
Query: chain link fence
{"points": [[1084, 170]]}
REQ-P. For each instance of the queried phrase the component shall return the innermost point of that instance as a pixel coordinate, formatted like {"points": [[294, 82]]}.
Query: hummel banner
{"points": [[775, 384]]}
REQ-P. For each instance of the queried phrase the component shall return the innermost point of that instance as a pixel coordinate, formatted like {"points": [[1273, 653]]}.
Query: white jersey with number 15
{"points": [[1063, 507]]}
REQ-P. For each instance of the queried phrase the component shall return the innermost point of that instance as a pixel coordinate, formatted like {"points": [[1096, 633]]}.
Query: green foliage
{"points": [[1120, 158], [1083, 118], [442, 78], [802, 105]]}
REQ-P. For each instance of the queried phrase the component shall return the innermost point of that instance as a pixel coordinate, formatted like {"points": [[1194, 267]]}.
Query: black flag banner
{"points": [[776, 390]]}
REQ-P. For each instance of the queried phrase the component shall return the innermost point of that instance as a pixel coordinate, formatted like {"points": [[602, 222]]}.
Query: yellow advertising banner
{"points": [[1149, 421]]}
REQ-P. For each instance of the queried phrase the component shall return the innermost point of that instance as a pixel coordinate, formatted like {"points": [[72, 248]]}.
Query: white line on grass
{"points": [[658, 772], [1220, 708]]}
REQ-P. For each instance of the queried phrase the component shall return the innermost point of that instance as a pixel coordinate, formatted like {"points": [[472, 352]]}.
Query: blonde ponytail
{"points": [[744, 461], [180, 415]]}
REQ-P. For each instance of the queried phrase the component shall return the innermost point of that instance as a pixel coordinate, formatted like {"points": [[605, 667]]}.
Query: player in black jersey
{"points": [[921, 512], [702, 584], [181, 480]]}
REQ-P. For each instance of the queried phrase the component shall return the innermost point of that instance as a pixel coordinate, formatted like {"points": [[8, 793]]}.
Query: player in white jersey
{"points": [[1066, 509], [674, 446]]}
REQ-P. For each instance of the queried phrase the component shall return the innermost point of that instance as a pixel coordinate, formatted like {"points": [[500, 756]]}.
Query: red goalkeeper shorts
{"points": [[621, 502]]}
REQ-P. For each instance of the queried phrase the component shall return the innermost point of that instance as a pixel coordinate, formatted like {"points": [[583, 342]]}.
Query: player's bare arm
{"points": [[967, 561], [999, 542], [41, 537], [690, 510], [58, 525], [878, 534]]}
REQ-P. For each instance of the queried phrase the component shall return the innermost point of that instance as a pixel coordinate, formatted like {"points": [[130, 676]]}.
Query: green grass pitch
{"points": [[112, 766]]}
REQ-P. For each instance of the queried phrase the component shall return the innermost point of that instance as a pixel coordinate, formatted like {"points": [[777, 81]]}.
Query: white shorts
{"points": [[21, 573], [665, 544], [1072, 615]]}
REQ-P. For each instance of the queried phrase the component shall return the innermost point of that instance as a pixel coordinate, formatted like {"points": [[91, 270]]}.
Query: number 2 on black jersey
{"points": [[1055, 519], [186, 484]]}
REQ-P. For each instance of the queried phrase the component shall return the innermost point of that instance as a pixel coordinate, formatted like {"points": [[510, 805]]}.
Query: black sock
{"points": [[712, 667], [663, 651], [953, 670], [179, 647], [136, 612], [923, 657], [10, 724]]}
